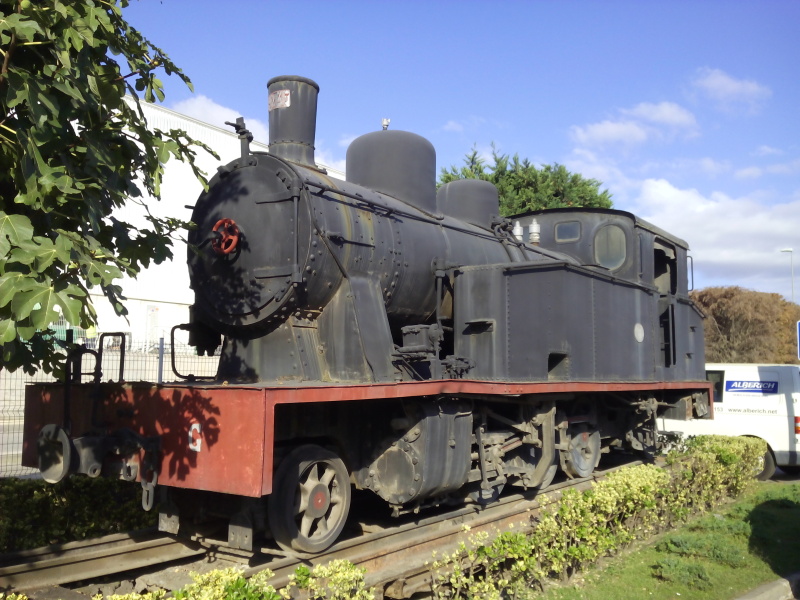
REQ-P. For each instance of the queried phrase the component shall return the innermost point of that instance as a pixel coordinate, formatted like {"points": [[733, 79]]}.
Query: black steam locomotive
{"points": [[379, 334]]}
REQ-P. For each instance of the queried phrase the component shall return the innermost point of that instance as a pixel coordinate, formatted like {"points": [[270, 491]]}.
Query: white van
{"points": [[753, 400]]}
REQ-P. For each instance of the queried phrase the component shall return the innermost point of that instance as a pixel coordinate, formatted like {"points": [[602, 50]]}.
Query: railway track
{"points": [[77, 561], [394, 558]]}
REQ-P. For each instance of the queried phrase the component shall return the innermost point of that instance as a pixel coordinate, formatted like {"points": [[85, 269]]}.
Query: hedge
{"points": [[630, 504], [35, 513]]}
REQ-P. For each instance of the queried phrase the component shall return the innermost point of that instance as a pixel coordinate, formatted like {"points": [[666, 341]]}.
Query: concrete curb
{"points": [[782, 589]]}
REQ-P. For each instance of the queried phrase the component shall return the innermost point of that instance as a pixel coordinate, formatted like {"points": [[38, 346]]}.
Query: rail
{"points": [[78, 561]]}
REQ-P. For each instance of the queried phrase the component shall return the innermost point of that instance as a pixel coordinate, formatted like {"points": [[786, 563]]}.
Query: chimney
{"points": [[292, 118]]}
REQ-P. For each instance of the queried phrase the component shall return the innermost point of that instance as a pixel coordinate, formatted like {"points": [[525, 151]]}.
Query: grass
{"points": [[716, 557]]}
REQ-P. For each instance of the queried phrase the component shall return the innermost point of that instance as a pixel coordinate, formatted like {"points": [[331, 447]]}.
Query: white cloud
{"points": [[594, 166], [643, 123], [767, 151], [786, 168], [749, 173], [607, 132], [731, 94], [322, 156], [706, 165], [346, 140], [663, 113], [712, 166], [471, 124], [454, 126], [204, 109], [734, 241]]}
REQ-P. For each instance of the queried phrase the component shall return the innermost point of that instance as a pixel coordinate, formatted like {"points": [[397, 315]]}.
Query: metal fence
{"points": [[144, 361]]}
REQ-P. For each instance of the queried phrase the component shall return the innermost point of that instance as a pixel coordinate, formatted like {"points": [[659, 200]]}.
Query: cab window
{"points": [[569, 231], [610, 247]]}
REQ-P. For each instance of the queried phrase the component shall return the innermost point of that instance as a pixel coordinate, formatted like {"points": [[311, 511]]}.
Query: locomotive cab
{"points": [[632, 250]]}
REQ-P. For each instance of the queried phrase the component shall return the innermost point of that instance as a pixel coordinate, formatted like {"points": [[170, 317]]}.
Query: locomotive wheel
{"points": [[549, 475], [584, 451], [310, 499]]}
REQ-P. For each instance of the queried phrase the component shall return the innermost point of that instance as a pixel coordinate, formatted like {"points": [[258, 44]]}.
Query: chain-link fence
{"points": [[144, 361]]}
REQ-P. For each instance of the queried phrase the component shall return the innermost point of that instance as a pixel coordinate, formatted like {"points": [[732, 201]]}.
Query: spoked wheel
{"points": [[310, 499], [584, 450]]}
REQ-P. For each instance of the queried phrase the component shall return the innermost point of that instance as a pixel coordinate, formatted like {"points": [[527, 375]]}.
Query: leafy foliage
{"points": [[580, 528], [74, 147], [37, 514], [337, 580], [748, 326], [227, 584], [523, 187]]}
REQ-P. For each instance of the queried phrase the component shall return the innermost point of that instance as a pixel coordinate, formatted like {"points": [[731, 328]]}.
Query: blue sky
{"points": [[688, 112]]}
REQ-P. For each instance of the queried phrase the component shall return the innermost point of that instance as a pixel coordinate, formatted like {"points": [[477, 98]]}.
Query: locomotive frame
{"points": [[381, 335]]}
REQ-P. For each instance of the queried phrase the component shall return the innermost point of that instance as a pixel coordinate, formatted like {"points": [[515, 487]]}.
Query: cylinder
{"points": [[292, 118]]}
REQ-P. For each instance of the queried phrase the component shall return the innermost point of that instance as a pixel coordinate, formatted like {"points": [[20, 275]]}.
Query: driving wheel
{"points": [[310, 499], [583, 454]]}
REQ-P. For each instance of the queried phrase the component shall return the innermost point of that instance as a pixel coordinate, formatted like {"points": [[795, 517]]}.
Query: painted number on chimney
{"points": [[279, 99]]}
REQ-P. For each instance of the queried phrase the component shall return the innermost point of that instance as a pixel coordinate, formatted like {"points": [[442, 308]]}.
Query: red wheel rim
{"points": [[227, 237]]}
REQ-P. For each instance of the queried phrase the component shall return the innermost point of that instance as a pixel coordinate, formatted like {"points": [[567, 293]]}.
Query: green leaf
{"points": [[21, 25], [45, 255], [39, 304], [7, 331], [14, 229], [11, 283], [99, 273]]}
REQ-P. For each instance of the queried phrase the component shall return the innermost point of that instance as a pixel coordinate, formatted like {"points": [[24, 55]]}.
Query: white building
{"points": [[159, 297]]}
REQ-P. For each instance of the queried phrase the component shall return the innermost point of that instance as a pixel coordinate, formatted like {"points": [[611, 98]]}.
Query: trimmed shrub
{"points": [[37, 514], [632, 503]]}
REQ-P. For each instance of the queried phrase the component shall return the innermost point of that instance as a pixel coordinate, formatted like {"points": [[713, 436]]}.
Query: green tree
{"points": [[75, 146], [748, 326], [523, 187]]}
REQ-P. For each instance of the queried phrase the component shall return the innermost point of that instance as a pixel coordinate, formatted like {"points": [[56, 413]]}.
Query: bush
{"points": [[37, 514], [223, 584], [630, 504], [337, 580]]}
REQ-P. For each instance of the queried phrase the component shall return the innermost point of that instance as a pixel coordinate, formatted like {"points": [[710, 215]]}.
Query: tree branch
{"points": [[11, 47]]}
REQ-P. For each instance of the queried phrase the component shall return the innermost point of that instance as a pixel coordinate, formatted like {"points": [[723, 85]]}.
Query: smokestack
{"points": [[292, 118]]}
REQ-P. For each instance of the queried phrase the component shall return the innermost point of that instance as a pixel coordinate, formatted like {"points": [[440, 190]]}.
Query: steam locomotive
{"points": [[383, 335]]}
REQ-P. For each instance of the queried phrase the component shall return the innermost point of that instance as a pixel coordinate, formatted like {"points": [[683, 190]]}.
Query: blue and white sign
{"points": [[753, 387], [798, 340]]}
